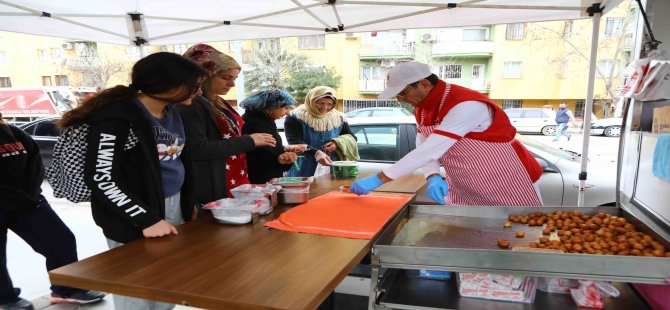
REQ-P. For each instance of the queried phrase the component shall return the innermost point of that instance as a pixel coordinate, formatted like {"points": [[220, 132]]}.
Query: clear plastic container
{"points": [[291, 195], [257, 190], [259, 205], [344, 170]]}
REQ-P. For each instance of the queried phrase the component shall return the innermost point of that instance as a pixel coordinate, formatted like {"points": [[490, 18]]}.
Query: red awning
{"points": [[26, 102]]}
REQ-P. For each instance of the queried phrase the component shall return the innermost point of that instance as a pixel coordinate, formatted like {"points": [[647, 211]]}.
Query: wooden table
{"points": [[214, 266]]}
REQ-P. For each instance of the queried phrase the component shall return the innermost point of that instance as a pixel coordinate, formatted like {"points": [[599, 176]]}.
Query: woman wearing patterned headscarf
{"points": [[262, 109], [214, 129], [317, 124]]}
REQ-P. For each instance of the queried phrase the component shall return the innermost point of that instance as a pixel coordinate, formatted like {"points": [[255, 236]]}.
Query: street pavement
{"points": [[27, 267]]}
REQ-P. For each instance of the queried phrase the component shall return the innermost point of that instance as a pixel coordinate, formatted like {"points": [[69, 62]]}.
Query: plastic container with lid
{"points": [[238, 210], [257, 190], [344, 170]]}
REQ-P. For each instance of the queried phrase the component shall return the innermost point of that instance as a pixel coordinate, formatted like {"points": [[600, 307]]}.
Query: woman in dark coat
{"points": [[262, 109], [214, 129]]}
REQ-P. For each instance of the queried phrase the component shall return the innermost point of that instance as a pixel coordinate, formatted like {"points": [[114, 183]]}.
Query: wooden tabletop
{"points": [[215, 266]]}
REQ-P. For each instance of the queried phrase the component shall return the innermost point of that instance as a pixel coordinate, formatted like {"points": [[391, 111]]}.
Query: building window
{"points": [[606, 67], [579, 108], [3, 57], [515, 31], [475, 34], [613, 26], [511, 104], [46, 80], [5, 81], [44, 55], [511, 69], [57, 53], [567, 29], [86, 52], [180, 48], [316, 41], [61, 80], [450, 71], [373, 73]]}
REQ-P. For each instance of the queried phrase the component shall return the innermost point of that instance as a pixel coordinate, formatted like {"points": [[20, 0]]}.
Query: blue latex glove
{"points": [[365, 185], [437, 188]]}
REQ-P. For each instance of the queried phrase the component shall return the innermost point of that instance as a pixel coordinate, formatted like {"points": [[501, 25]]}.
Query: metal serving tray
{"points": [[464, 239]]}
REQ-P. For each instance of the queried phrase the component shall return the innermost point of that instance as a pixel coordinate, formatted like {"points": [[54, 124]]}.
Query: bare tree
{"points": [[95, 69], [613, 50]]}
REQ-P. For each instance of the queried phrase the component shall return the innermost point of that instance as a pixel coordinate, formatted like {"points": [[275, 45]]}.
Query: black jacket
{"points": [[209, 149], [262, 163], [21, 170], [126, 185]]}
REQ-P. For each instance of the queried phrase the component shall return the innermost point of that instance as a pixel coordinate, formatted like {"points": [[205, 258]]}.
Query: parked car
{"points": [[383, 141], [45, 132], [610, 127], [533, 120], [379, 112]]}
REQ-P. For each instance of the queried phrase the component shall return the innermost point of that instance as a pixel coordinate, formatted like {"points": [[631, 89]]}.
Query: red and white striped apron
{"points": [[484, 173]]}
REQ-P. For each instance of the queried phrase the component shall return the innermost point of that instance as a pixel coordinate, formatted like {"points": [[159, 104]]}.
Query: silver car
{"points": [[383, 141], [379, 112]]}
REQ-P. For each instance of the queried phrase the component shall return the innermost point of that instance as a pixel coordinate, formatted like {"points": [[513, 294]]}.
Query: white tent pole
{"points": [[588, 108], [306, 10], [337, 15]]}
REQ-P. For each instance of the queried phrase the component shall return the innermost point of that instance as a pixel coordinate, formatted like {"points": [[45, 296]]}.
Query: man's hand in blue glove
{"points": [[437, 188], [365, 185]]}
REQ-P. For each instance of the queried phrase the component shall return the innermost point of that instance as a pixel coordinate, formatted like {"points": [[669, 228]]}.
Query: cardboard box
{"points": [[661, 122]]}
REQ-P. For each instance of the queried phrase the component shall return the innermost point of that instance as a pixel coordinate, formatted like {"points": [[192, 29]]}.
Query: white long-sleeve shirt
{"points": [[466, 117]]}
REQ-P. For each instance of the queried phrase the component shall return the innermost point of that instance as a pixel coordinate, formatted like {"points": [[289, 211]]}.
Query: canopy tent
{"points": [[159, 22]]}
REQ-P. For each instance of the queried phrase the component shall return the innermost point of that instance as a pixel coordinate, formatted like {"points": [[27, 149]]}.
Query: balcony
{"points": [[463, 48], [387, 50], [371, 86], [480, 85]]}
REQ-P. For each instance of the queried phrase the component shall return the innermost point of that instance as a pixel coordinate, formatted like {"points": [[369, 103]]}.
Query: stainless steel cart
{"points": [[464, 239]]}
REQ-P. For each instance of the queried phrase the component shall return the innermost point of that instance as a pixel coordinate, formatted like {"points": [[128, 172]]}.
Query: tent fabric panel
{"points": [[171, 22]]}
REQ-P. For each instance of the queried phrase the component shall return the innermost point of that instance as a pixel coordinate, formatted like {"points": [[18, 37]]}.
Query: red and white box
{"points": [[482, 285]]}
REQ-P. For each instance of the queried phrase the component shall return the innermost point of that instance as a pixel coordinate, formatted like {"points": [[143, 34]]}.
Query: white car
{"points": [[379, 112], [610, 127], [383, 141], [533, 120]]}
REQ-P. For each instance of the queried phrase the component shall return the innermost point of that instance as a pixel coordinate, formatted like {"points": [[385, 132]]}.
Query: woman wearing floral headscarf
{"points": [[262, 109], [317, 124], [213, 129]]}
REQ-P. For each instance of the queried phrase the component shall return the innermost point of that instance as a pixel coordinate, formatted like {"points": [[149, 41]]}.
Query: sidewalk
{"points": [[27, 268]]}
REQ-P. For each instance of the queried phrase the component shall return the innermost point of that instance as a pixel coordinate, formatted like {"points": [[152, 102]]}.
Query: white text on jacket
{"points": [[103, 175]]}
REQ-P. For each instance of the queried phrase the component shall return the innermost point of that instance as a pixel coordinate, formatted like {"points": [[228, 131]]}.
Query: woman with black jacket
{"points": [[27, 213], [262, 109], [135, 164], [214, 129]]}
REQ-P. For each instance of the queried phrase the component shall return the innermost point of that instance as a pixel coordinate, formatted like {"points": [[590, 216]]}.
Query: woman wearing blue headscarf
{"points": [[262, 109]]}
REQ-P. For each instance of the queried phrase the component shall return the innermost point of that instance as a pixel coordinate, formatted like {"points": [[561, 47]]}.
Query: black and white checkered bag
{"points": [[66, 174]]}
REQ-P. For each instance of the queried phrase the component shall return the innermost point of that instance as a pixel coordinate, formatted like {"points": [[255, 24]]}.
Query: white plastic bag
{"points": [[655, 85], [636, 71]]}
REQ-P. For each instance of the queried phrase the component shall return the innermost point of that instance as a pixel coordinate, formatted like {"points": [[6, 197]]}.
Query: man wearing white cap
{"points": [[469, 135]]}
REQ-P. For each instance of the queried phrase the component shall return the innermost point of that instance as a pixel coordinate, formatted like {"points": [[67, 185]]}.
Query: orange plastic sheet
{"points": [[341, 215]]}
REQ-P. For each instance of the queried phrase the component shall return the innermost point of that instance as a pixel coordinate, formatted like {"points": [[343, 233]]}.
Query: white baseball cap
{"points": [[402, 75]]}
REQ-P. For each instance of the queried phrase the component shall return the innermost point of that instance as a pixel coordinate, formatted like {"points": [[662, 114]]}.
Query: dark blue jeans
{"points": [[44, 231]]}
